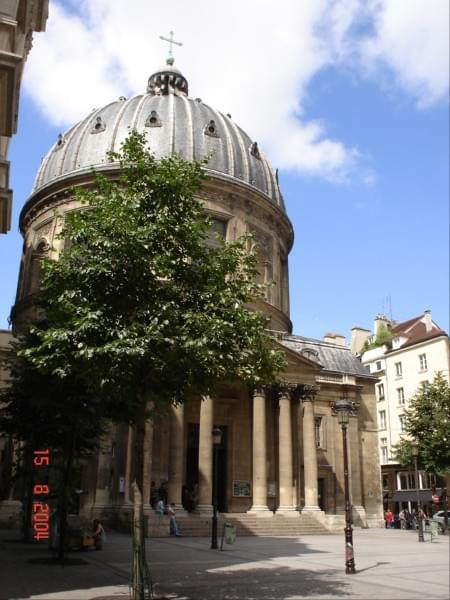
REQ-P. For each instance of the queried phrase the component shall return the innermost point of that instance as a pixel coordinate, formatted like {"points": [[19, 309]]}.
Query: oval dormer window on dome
{"points": [[254, 150], [211, 129], [98, 126], [61, 141], [153, 120]]}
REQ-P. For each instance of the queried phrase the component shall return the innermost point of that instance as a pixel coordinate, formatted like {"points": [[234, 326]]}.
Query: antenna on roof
{"points": [[389, 299]]}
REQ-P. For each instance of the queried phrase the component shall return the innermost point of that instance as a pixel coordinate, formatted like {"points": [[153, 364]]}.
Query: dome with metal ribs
{"points": [[174, 124]]}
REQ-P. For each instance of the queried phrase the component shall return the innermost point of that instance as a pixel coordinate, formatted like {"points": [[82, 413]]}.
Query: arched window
{"points": [[262, 246], [35, 269], [218, 228]]}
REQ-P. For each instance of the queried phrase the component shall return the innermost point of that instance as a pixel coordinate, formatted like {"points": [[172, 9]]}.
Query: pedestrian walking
{"points": [[388, 519], [173, 522]]}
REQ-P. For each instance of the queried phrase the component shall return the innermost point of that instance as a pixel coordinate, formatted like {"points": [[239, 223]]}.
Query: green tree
{"points": [[142, 309], [428, 422], [383, 338]]}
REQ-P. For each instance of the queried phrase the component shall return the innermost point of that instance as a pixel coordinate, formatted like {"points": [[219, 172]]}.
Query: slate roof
{"points": [[333, 357]]}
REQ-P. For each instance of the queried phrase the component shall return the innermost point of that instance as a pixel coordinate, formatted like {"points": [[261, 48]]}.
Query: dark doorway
{"points": [[192, 463], [321, 492]]}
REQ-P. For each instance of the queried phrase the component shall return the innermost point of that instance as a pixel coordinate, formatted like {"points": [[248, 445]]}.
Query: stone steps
{"points": [[246, 525]]}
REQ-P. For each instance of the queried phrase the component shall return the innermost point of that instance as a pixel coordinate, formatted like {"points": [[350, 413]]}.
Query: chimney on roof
{"points": [[334, 338], [427, 320], [381, 322], [359, 336]]}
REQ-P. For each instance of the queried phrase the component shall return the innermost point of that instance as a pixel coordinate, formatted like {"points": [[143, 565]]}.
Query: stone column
{"points": [[205, 456], [359, 512], [259, 453], [176, 456], [285, 454], [148, 456], [309, 449]]}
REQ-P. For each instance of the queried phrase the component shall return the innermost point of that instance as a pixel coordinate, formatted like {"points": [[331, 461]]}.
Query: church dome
{"points": [[174, 124]]}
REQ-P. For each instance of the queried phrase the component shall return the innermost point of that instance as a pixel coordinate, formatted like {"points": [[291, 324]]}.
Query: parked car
{"points": [[439, 516]]}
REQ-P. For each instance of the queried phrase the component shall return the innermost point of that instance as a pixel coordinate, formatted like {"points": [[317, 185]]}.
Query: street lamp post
{"points": [[343, 409], [217, 440], [415, 453]]}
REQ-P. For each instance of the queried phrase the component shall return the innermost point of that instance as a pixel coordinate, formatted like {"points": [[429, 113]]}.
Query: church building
{"points": [[278, 456]]}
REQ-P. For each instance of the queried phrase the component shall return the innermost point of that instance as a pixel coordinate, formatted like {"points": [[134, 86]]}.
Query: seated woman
{"points": [[98, 533]]}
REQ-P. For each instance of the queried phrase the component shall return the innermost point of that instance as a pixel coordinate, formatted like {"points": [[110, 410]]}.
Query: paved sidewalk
{"points": [[390, 564]]}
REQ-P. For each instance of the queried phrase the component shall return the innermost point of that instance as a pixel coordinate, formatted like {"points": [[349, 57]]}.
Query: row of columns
{"points": [[285, 452], [259, 450]]}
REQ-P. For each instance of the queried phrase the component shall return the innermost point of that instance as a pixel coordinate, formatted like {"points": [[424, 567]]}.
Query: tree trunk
{"points": [[63, 499], [139, 564]]}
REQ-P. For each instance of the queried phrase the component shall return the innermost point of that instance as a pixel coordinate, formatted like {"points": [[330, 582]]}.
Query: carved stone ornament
{"points": [[284, 389], [307, 393], [43, 230], [258, 390]]}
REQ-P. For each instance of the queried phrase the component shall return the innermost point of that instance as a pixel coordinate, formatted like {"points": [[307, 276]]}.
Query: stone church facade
{"points": [[281, 453]]}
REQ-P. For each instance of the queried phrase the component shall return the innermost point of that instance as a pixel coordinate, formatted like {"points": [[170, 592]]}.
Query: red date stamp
{"points": [[40, 508]]}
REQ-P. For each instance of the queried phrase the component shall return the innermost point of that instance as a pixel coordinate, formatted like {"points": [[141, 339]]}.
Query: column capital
{"points": [[307, 393], [283, 389], [258, 390]]}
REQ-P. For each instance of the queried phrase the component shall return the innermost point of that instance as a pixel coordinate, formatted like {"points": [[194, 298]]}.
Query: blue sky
{"points": [[349, 99]]}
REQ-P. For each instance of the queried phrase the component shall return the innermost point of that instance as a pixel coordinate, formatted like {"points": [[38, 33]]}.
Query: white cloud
{"points": [[412, 39], [253, 59]]}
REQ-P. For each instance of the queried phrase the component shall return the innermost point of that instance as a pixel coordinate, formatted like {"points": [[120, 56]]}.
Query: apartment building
{"points": [[403, 355], [19, 19]]}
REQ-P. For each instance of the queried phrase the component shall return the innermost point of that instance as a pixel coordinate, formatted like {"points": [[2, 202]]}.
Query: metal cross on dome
{"points": [[171, 41]]}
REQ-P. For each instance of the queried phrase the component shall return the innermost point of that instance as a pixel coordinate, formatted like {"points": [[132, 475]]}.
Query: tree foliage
{"points": [[139, 302], [43, 411], [384, 337], [428, 422], [139, 309]]}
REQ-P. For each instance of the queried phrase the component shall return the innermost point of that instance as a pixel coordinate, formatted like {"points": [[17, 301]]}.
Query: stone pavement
{"points": [[390, 564]]}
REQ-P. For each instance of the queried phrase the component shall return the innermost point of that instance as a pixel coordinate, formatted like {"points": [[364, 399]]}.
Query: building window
{"points": [[318, 431], [382, 419], [406, 480], [380, 390], [402, 420], [385, 482], [378, 365], [384, 450], [423, 362], [216, 233], [401, 396], [398, 369]]}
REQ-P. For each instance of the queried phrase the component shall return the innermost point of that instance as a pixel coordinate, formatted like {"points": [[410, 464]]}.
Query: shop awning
{"points": [[411, 496]]}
